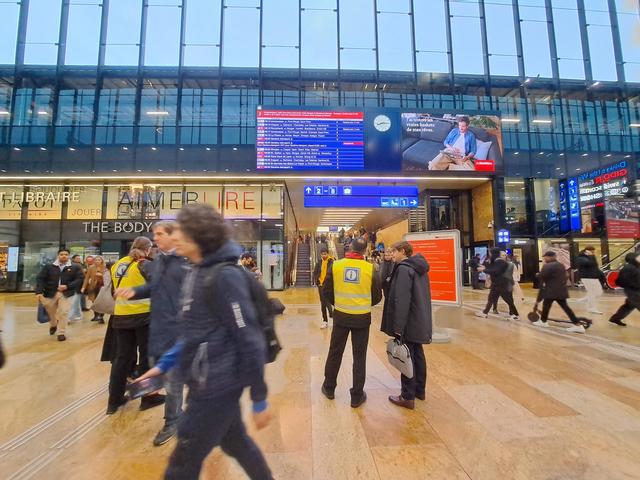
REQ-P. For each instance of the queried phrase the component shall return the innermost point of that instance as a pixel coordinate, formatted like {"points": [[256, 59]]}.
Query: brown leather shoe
{"points": [[401, 402]]}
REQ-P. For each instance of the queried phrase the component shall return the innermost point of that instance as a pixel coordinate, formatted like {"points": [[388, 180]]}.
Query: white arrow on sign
{"points": [[307, 190]]}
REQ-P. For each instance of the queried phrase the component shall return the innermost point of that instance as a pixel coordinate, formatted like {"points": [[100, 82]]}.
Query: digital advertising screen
{"points": [[451, 142]]}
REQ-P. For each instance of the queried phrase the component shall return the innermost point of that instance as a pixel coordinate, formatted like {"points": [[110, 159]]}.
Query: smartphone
{"points": [[145, 387]]}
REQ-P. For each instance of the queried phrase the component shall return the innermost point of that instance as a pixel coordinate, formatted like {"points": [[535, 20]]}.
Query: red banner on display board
{"points": [[442, 252]]}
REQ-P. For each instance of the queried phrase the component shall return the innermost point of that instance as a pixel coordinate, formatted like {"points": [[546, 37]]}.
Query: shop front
{"points": [[92, 219]]}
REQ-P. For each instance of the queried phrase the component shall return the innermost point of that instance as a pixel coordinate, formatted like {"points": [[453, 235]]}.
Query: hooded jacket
{"points": [[407, 308], [629, 279], [222, 348], [500, 279], [166, 277]]}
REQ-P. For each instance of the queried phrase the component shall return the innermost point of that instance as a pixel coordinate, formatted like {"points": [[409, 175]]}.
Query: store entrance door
{"points": [[112, 250]]}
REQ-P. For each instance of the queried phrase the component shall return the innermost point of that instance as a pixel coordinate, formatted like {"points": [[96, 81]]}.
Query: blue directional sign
{"points": [[371, 196], [574, 205], [504, 236]]}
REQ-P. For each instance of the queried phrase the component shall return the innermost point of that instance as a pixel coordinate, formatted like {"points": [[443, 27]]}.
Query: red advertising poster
{"points": [[441, 250]]}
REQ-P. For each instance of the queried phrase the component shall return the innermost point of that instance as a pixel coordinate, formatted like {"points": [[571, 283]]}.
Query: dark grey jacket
{"points": [[407, 308], [629, 279], [553, 282], [223, 345], [588, 266], [166, 277]]}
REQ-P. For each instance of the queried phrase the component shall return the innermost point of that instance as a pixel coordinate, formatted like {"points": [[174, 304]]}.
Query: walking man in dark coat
{"points": [[629, 279], [553, 288], [407, 315], [501, 273], [474, 263]]}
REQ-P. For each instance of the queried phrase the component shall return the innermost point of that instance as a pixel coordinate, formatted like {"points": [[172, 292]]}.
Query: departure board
{"points": [[309, 140]]}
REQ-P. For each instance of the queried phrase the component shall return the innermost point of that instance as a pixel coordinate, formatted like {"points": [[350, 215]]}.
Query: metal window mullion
{"points": [[617, 44], [260, 41], [447, 14], [485, 48], [584, 39], [183, 23], [518, 30], [139, 82], [104, 23], [21, 40], [414, 56], [300, 93], [62, 33], [220, 90], [555, 70], [338, 48], [376, 33]]}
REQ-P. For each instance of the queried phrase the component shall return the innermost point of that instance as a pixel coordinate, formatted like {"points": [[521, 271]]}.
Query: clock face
{"points": [[382, 123]]}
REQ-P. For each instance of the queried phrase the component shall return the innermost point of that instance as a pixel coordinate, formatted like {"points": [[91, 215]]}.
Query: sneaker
{"points": [[481, 315], [164, 435], [597, 312], [540, 323], [324, 325], [514, 317], [61, 337], [576, 329], [52, 330], [618, 322]]}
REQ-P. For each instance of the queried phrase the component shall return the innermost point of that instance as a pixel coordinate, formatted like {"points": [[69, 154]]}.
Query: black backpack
{"points": [[266, 308]]}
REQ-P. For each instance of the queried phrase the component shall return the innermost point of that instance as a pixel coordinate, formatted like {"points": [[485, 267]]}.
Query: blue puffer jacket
{"points": [[166, 276], [223, 348]]}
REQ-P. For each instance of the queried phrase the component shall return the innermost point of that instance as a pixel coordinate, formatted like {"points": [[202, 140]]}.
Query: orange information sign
{"points": [[442, 252]]}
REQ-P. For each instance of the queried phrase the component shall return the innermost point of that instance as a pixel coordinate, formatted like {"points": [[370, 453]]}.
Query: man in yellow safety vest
{"points": [[352, 286]]}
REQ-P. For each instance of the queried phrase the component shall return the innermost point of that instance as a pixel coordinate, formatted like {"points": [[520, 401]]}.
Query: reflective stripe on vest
{"points": [[352, 279], [132, 278]]}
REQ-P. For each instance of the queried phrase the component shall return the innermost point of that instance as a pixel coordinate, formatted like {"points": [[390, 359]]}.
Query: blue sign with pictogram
{"points": [[504, 236]]}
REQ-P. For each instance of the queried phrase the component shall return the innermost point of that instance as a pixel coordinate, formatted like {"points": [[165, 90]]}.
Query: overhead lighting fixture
{"points": [[153, 148], [125, 148], [585, 154], [627, 156], [634, 125], [157, 113], [541, 120], [557, 168], [16, 149], [562, 154], [577, 169], [208, 149], [541, 153], [608, 155], [5, 112], [71, 149], [517, 153], [510, 120], [98, 149], [182, 149], [43, 112], [44, 149]]}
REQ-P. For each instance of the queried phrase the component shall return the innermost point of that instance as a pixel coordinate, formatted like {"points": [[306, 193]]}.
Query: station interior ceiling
{"points": [[309, 219]]}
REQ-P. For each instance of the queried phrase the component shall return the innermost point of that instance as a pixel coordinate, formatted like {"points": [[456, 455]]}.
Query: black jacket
{"points": [[318, 269], [51, 276], [348, 320], [386, 269], [497, 269], [166, 276], [223, 346], [587, 266], [553, 282], [407, 308], [629, 279]]}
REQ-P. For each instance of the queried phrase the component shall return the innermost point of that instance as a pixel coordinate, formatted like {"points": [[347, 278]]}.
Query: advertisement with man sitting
{"points": [[451, 142]]}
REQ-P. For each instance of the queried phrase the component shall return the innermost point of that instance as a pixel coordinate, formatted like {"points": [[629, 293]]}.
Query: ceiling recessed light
{"points": [[182, 149], [538, 173], [114, 170], [510, 120], [585, 154], [43, 112], [71, 149], [44, 149], [208, 149], [557, 168], [158, 113], [235, 148], [125, 148], [517, 153], [577, 169], [634, 125], [562, 154], [17, 149], [541, 120], [139, 170], [98, 149], [27, 171], [4, 112], [153, 148], [608, 155]]}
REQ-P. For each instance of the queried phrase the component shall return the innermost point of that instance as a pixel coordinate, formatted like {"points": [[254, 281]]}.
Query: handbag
{"points": [[104, 302], [400, 357], [43, 316]]}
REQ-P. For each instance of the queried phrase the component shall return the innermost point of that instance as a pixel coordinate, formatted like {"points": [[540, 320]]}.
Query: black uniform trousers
{"points": [[359, 343], [416, 386], [128, 340]]}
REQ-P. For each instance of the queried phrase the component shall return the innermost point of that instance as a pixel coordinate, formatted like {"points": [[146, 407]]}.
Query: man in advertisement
{"points": [[460, 149]]}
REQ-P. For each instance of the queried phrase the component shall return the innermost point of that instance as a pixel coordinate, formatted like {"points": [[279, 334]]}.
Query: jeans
{"points": [[416, 386], [175, 393], [206, 424], [359, 343], [75, 312], [128, 340]]}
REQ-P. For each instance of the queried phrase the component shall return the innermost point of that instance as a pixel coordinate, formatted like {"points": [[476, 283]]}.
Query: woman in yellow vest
{"points": [[130, 322]]}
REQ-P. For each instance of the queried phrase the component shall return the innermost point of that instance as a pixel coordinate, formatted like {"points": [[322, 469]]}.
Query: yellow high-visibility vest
{"points": [[132, 278], [352, 279]]}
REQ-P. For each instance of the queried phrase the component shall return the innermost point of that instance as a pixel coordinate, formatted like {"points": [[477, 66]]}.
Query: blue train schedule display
{"points": [[309, 140]]}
